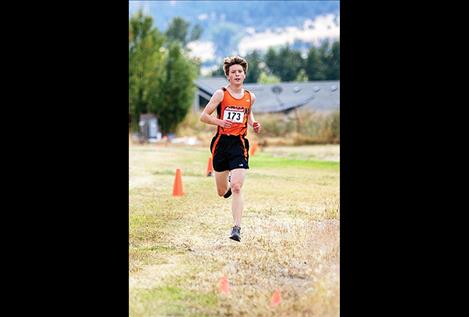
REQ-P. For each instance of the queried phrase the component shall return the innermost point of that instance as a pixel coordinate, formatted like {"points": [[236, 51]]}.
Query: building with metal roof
{"points": [[278, 97]]}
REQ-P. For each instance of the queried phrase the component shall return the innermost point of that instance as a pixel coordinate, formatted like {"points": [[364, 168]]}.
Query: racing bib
{"points": [[233, 115]]}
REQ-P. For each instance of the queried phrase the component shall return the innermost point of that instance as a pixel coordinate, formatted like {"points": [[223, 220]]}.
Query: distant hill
{"points": [[230, 27], [257, 14]]}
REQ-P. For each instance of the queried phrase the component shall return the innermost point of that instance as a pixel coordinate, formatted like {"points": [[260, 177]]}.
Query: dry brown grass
{"points": [[179, 247], [278, 128]]}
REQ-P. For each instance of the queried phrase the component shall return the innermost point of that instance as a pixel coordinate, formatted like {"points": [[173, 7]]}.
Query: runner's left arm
{"points": [[251, 121]]}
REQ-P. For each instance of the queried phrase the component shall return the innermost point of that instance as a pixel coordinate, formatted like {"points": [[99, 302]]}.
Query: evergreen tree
{"points": [[271, 61], [289, 64], [253, 59], [333, 62], [314, 67]]}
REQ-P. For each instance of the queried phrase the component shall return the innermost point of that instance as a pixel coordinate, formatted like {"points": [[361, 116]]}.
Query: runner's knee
{"points": [[236, 188]]}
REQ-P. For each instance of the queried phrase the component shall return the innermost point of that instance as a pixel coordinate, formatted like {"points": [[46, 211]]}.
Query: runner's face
{"points": [[236, 74]]}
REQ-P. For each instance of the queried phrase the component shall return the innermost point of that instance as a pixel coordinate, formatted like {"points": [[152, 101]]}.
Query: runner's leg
{"points": [[221, 179], [237, 180]]}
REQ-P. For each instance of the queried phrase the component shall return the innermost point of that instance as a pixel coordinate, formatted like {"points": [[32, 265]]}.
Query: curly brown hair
{"points": [[233, 60]]}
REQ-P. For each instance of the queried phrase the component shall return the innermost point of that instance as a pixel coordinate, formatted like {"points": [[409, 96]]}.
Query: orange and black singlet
{"points": [[229, 146], [236, 111]]}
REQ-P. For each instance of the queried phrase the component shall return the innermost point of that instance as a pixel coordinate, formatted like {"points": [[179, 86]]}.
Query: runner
{"points": [[229, 146]]}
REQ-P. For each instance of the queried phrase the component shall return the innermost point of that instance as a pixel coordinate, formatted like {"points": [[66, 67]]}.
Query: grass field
{"points": [[179, 247]]}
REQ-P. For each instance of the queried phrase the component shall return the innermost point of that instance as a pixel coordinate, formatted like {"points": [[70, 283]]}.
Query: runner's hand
{"points": [[257, 127], [224, 124]]}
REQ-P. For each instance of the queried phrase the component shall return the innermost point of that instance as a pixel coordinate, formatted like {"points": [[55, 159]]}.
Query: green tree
{"points": [[285, 64], [332, 60], [265, 78], [178, 30], [301, 76], [253, 59], [272, 61], [145, 61], [196, 33], [324, 56], [290, 63], [177, 89], [314, 65]]}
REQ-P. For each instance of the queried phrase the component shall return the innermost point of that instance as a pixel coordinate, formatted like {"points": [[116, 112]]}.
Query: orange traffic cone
{"points": [[177, 188], [253, 148], [276, 298], [224, 285], [209, 167]]}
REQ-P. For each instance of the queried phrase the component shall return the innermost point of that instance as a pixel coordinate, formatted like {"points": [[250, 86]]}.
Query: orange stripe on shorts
{"points": [[215, 146], [244, 145]]}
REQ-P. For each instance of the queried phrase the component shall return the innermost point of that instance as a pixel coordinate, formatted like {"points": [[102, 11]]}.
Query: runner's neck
{"points": [[236, 90]]}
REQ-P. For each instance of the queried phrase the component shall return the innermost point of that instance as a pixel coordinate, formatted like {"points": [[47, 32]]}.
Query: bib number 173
{"points": [[234, 115]]}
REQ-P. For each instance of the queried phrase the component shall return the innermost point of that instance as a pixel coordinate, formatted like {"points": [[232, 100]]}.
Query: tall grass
{"points": [[296, 128], [303, 126]]}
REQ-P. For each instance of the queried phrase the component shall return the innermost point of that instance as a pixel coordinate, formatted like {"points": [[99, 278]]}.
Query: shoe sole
{"points": [[235, 238], [228, 193]]}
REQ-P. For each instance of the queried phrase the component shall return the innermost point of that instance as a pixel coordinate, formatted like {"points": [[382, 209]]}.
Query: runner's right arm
{"points": [[206, 116]]}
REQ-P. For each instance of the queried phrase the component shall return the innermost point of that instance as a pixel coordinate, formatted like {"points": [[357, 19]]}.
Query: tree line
{"points": [[286, 64]]}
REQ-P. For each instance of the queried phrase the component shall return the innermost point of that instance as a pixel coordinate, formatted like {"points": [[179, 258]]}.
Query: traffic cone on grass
{"points": [[224, 285], [177, 187], [276, 298]]}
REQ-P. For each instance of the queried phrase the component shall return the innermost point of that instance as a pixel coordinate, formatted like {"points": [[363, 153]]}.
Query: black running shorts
{"points": [[229, 152]]}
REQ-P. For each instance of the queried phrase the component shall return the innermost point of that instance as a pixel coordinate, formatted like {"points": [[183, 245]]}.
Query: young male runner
{"points": [[229, 146]]}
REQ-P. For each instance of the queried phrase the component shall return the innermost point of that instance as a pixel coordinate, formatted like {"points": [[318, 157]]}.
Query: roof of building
{"points": [[284, 96]]}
